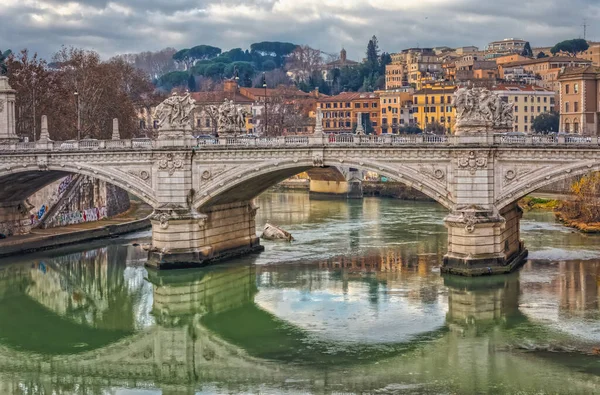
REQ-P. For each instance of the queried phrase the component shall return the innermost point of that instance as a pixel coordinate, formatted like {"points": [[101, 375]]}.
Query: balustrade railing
{"points": [[296, 141]]}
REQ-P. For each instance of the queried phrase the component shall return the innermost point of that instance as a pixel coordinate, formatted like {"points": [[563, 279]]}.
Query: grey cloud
{"points": [[155, 24]]}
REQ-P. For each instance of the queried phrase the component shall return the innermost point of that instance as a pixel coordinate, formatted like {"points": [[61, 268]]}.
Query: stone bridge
{"points": [[202, 190], [202, 194]]}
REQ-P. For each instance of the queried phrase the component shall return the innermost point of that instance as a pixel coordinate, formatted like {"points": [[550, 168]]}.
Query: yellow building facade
{"points": [[433, 105]]}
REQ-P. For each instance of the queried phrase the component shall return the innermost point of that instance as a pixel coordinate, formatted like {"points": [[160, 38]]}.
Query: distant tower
{"points": [[343, 55]]}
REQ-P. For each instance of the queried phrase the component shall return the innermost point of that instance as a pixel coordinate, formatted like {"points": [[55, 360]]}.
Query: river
{"points": [[356, 304]]}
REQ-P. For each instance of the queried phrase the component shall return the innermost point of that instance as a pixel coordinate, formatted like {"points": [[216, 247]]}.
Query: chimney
{"points": [[230, 86], [316, 92]]}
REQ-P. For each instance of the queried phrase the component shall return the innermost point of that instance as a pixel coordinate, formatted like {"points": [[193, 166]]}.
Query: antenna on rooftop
{"points": [[584, 28]]}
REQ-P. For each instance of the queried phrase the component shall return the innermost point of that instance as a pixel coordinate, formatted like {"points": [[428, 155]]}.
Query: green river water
{"points": [[356, 304]]}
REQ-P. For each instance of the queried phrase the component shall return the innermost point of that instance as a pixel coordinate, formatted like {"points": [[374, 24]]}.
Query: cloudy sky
{"points": [[121, 26]]}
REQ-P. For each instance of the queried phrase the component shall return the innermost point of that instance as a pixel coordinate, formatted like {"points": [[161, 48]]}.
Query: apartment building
{"points": [[580, 100], [529, 101]]}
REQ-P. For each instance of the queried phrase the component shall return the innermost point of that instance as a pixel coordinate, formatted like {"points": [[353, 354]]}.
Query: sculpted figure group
{"points": [[479, 107], [231, 117], [175, 112]]}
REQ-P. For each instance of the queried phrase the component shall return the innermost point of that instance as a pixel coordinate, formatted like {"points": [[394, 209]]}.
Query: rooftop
{"points": [[521, 88], [565, 59]]}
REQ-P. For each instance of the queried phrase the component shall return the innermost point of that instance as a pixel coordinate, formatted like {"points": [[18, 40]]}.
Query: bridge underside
{"points": [[14, 190], [330, 182]]}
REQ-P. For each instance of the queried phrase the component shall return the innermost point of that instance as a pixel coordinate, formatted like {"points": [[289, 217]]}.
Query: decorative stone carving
{"points": [[515, 174], [141, 174], [163, 218], [231, 117], [171, 163], [175, 112], [432, 171], [1, 105], [42, 162], [318, 161], [472, 162], [480, 110]]}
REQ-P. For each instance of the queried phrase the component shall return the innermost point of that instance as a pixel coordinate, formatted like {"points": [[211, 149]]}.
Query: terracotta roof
{"points": [[520, 88], [349, 96], [219, 97], [433, 91], [544, 60], [574, 71]]}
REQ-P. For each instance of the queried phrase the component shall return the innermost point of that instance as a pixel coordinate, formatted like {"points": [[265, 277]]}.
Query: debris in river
{"points": [[274, 232]]}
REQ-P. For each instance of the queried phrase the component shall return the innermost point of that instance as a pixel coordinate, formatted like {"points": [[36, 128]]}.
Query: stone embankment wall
{"points": [[393, 190], [78, 199]]}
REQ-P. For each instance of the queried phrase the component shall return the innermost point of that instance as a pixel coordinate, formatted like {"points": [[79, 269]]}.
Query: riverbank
{"points": [[135, 219]]}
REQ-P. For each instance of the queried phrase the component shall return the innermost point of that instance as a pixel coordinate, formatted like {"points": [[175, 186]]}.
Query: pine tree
{"points": [[192, 83], [373, 54], [527, 50]]}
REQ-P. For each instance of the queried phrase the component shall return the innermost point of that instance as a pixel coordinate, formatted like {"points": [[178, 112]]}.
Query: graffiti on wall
{"points": [[80, 216]]}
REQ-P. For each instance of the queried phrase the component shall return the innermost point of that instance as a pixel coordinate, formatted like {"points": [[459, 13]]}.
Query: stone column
{"points": [[7, 112], [484, 242], [15, 218], [190, 239]]}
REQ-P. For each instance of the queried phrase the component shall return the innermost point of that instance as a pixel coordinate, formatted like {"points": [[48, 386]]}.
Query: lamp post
{"points": [[33, 102], [78, 116], [266, 113]]}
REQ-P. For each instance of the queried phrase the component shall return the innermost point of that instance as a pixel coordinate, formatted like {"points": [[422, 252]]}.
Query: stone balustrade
{"points": [[310, 140]]}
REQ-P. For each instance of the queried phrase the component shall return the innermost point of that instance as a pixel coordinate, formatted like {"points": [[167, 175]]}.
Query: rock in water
{"points": [[274, 232]]}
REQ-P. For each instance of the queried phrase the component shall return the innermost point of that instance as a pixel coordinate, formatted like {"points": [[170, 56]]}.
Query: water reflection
{"points": [[359, 319]]}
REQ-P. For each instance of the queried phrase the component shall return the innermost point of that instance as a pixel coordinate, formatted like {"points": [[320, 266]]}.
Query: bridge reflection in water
{"points": [[96, 321]]}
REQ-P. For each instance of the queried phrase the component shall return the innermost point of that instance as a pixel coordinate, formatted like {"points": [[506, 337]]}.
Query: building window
{"points": [[327, 124], [416, 100], [545, 109], [402, 122], [516, 99], [575, 106], [576, 89], [525, 128], [334, 105], [516, 108], [356, 105], [567, 127], [538, 99], [526, 118], [567, 89], [347, 124], [531, 109], [538, 109], [415, 110], [432, 109], [545, 99], [525, 108], [516, 118], [433, 100], [576, 127], [567, 107], [207, 123]]}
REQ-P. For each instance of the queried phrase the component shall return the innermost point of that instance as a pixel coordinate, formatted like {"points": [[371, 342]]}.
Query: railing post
{"points": [[387, 138], [529, 139], [594, 140], [356, 139], [102, 144], [561, 139], [222, 140], [419, 139]]}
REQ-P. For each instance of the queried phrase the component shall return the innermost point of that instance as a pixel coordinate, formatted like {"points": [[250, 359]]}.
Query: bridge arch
{"points": [[18, 182], [245, 183], [543, 177]]}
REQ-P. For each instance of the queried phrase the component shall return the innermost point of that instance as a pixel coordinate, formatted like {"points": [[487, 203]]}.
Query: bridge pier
{"points": [[484, 242], [189, 239], [332, 182], [14, 218]]}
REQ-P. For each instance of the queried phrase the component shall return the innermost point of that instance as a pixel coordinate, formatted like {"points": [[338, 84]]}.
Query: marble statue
{"points": [[175, 112], [478, 109], [319, 121], [231, 117]]}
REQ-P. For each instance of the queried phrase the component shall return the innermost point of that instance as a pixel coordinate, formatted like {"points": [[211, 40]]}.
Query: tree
{"points": [[542, 55], [35, 84], [106, 90], [305, 60], [182, 56], [286, 109], [172, 80], [527, 50], [384, 60], [154, 64], [435, 128], [570, 46], [192, 83], [202, 52], [548, 122], [245, 72], [276, 49], [373, 55], [410, 130]]}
